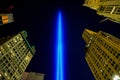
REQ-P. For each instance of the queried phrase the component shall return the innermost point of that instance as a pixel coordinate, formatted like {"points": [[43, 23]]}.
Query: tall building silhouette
{"points": [[106, 8], [15, 55], [32, 76], [102, 54]]}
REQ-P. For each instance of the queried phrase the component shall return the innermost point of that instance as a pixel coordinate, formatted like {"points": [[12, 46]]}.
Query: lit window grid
{"points": [[102, 62], [92, 66], [94, 61], [17, 47], [117, 10], [105, 9], [113, 48], [97, 64], [112, 57], [114, 71], [7, 67], [115, 41], [111, 63], [4, 52], [17, 50], [111, 14], [108, 61], [110, 48], [12, 43], [14, 64], [24, 63], [109, 8]]}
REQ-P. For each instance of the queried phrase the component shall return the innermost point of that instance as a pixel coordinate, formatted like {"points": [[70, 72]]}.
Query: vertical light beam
{"points": [[59, 50]]}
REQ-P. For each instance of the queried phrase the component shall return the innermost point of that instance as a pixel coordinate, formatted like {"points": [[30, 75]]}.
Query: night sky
{"points": [[39, 19]]}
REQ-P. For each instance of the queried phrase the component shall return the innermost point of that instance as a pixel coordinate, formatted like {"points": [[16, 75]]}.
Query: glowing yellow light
{"points": [[13, 54], [8, 45], [21, 39], [5, 21], [101, 71], [116, 77], [4, 17], [27, 58], [5, 74], [23, 46], [15, 40]]}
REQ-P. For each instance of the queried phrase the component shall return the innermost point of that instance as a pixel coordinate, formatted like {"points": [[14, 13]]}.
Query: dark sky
{"points": [[39, 18]]}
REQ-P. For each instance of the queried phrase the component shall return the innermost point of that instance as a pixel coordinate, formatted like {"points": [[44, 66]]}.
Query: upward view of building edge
{"points": [[15, 55], [106, 8], [102, 54]]}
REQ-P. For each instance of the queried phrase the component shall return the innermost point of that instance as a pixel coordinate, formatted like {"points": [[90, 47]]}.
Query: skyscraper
{"points": [[32, 76], [106, 8], [6, 18], [102, 54], [15, 55]]}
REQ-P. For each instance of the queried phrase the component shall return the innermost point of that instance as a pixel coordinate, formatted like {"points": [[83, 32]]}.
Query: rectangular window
{"points": [[117, 10]]}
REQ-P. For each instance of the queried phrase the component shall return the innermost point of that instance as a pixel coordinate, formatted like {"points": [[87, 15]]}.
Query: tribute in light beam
{"points": [[59, 50]]}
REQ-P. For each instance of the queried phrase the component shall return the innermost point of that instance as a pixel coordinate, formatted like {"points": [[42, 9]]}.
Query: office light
{"points": [[59, 56], [116, 77]]}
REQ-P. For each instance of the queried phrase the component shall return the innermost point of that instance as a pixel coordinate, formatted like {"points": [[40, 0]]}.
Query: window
{"points": [[2, 78], [101, 9], [117, 56], [15, 40], [117, 10]]}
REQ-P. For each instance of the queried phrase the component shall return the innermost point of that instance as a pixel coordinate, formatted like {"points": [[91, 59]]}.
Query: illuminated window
{"points": [[102, 8], [116, 77], [19, 38], [117, 10], [15, 40], [27, 58], [8, 45], [12, 54], [23, 46], [5, 74], [4, 17], [5, 21]]}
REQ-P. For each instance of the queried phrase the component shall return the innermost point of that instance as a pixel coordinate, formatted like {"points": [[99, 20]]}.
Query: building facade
{"points": [[106, 8], [6, 18], [102, 54], [15, 55], [32, 76]]}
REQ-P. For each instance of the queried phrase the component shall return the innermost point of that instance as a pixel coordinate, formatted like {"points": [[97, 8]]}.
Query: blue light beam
{"points": [[59, 50]]}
